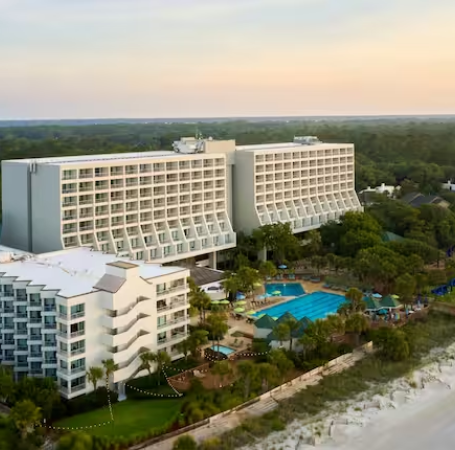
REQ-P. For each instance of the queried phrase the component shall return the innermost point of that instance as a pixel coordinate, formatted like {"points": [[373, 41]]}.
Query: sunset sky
{"points": [[202, 58]]}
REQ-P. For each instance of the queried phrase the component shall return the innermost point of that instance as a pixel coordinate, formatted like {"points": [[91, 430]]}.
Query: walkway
{"points": [[231, 421]]}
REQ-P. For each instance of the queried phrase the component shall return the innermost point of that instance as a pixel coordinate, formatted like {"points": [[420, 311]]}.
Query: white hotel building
{"points": [[172, 206], [102, 216], [66, 311]]}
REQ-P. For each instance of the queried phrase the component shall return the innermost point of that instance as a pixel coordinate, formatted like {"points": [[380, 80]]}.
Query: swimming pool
{"points": [[286, 289], [314, 306], [222, 349]]}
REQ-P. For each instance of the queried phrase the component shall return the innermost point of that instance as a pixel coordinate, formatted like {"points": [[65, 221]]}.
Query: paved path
{"points": [[265, 405]]}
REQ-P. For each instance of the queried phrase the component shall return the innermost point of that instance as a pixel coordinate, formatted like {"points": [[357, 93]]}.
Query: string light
{"points": [[87, 427], [153, 394]]}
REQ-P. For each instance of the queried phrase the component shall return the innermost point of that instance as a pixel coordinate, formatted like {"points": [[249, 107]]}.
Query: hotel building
{"points": [[171, 206], [155, 206], [305, 182], [63, 312]]}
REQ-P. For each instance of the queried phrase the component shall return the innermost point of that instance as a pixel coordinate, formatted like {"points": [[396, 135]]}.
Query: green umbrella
{"points": [[276, 292], [251, 312], [260, 315], [224, 302], [240, 303], [239, 310], [275, 318], [257, 284], [216, 302], [396, 297]]}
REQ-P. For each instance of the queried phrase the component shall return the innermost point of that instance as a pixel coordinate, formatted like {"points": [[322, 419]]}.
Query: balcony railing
{"points": [[172, 289], [77, 351], [77, 333]]}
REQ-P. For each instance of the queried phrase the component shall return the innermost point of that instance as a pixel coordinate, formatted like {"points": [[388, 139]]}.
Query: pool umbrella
{"points": [[240, 303], [377, 295], [224, 302], [216, 302], [275, 318], [276, 292], [251, 312], [282, 267], [260, 315], [239, 310], [396, 297], [240, 297]]}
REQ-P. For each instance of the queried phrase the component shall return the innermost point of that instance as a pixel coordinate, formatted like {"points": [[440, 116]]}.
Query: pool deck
{"points": [[243, 326]]}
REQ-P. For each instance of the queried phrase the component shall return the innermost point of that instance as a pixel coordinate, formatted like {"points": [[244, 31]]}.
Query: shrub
{"points": [[185, 442]]}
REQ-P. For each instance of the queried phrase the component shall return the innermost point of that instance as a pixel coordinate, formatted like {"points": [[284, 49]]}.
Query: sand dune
{"points": [[417, 415]]}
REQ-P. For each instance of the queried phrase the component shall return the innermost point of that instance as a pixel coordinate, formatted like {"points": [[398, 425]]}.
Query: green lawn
{"points": [[130, 417]]}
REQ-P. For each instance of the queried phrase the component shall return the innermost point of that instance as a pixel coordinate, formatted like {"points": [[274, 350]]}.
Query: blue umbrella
{"points": [[282, 267], [240, 297], [377, 295]]}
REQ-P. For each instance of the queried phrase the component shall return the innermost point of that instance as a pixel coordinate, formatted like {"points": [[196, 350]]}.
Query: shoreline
{"points": [[414, 412]]}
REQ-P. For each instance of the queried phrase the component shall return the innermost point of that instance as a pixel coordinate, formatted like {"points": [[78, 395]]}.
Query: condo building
{"points": [[63, 312], [175, 206]]}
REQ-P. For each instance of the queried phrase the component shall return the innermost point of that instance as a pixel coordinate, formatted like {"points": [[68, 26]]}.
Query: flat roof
{"points": [[114, 158], [290, 146], [72, 272]]}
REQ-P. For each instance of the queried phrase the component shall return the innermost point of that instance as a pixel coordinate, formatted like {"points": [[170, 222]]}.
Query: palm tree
{"points": [[355, 297], [25, 415], [196, 340], [222, 369], [268, 269], [184, 347], [308, 343], [109, 368], [147, 359], [335, 323], [231, 285], [94, 375], [248, 371], [282, 332], [218, 325], [293, 325], [356, 324], [269, 374], [162, 359], [199, 299], [248, 278]]}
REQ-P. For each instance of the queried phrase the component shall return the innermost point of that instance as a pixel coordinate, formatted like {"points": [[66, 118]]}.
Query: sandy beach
{"points": [[417, 412]]}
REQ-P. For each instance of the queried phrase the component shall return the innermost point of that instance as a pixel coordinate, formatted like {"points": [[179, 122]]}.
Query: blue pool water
{"points": [[222, 349], [314, 306], [286, 289]]}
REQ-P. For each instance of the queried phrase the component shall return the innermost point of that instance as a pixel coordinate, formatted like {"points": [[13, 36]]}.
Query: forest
{"points": [[387, 151]]}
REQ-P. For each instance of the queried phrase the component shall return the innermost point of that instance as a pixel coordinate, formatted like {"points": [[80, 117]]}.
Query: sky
{"points": [[225, 58]]}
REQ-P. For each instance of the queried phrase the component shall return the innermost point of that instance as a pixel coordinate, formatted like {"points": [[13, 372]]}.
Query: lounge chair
{"points": [[291, 276]]}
